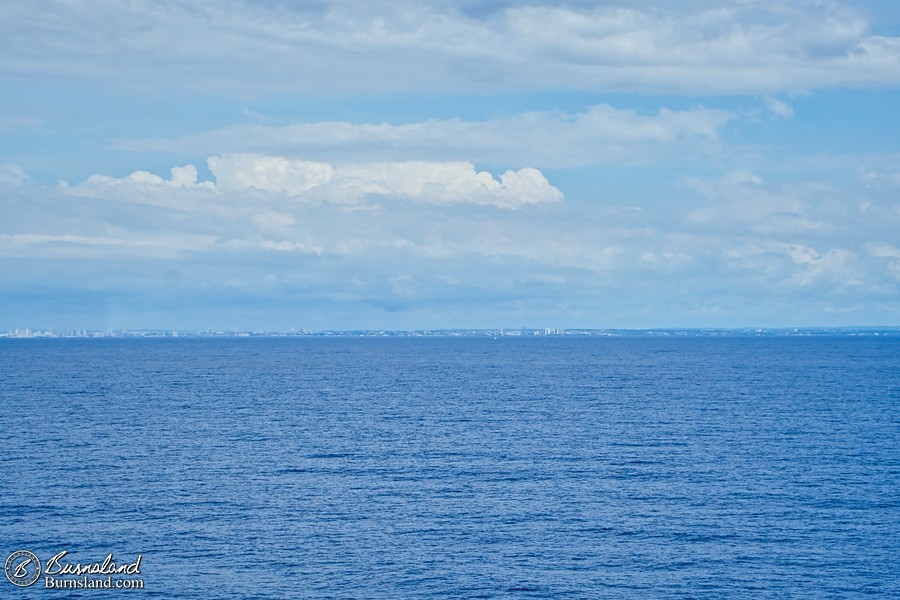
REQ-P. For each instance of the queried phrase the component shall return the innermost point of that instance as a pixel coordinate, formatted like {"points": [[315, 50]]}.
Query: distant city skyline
{"points": [[240, 166]]}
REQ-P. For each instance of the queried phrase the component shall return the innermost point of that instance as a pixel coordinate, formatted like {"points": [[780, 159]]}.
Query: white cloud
{"points": [[701, 47], [883, 250], [785, 267], [180, 177], [742, 202], [432, 182], [268, 173], [835, 266], [12, 175], [10, 123], [447, 182], [600, 134], [115, 242], [879, 179], [779, 108], [890, 254]]}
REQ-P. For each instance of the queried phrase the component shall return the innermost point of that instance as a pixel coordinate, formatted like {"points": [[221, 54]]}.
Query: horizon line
{"points": [[85, 333]]}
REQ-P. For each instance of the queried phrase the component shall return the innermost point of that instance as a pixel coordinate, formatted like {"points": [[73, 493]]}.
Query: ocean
{"points": [[555, 467]]}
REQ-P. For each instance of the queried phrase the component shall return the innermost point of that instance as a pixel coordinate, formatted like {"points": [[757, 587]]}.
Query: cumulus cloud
{"points": [[448, 182], [701, 47], [268, 173], [432, 182], [180, 177], [601, 133]]}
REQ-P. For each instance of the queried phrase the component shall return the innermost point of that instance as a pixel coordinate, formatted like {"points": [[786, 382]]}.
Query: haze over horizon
{"points": [[397, 165]]}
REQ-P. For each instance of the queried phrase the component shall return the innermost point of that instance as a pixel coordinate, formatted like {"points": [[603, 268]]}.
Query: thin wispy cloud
{"points": [[12, 175], [599, 134], [689, 47]]}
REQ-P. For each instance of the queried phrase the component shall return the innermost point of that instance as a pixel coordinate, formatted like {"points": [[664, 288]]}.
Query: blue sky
{"points": [[337, 165]]}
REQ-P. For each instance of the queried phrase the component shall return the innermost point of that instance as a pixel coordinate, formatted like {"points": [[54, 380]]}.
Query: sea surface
{"points": [[549, 467]]}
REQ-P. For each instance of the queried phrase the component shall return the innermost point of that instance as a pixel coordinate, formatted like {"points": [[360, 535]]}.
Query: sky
{"points": [[285, 164]]}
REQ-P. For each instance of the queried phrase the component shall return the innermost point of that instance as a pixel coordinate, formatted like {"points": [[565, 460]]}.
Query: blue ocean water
{"points": [[458, 467]]}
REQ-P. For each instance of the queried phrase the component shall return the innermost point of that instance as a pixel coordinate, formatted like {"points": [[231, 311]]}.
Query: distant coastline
{"points": [[28, 333]]}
